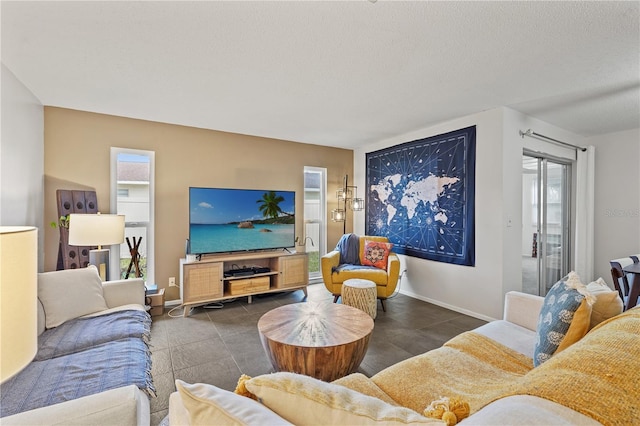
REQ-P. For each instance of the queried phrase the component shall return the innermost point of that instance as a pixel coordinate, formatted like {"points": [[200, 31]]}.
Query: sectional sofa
{"points": [[93, 365], [569, 358]]}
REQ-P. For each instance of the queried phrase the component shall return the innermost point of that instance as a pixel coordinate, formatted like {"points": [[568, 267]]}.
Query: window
{"points": [[315, 226], [132, 194]]}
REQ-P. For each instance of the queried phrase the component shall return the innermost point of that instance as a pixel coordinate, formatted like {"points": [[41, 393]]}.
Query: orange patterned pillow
{"points": [[376, 254]]}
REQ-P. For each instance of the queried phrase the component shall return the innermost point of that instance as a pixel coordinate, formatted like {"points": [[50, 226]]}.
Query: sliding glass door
{"points": [[546, 222]]}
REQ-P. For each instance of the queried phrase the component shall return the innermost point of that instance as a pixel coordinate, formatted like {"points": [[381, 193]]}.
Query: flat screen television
{"points": [[224, 220]]}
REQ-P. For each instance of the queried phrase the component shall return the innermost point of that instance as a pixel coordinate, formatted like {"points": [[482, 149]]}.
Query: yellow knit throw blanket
{"points": [[598, 376], [470, 366]]}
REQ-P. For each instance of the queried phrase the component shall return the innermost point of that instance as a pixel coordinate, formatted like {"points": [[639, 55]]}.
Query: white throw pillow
{"points": [[608, 303], [303, 400], [209, 405], [70, 294]]}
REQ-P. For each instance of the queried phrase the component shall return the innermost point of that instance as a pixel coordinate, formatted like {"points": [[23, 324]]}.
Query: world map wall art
{"points": [[421, 195]]}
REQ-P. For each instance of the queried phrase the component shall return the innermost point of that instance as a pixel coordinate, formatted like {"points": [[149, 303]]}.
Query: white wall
{"points": [[479, 290], [21, 158], [617, 198]]}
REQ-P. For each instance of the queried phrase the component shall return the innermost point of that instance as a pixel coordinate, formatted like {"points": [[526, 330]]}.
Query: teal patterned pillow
{"points": [[564, 318]]}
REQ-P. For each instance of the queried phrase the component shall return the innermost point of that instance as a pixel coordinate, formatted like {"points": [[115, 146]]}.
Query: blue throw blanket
{"points": [[341, 268], [349, 248], [83, 333], [107, 366]]}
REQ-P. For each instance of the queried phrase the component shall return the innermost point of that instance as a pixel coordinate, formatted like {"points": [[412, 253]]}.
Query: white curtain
{"points": [[584, 234]]}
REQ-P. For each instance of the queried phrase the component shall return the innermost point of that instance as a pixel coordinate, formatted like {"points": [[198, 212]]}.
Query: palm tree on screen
{"points": [[269, 204]]}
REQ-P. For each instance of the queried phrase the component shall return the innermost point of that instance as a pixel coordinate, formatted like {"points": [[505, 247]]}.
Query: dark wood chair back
{"points": [[620, 280]]}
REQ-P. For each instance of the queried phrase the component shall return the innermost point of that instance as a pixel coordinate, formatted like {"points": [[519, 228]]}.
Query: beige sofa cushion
{"points": [[607, 305], [513, 336], [70, 294], [522, 309], [303, 400]]}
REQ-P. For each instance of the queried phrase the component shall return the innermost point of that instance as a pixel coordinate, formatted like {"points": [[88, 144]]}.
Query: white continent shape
{"points": [[426, 190], [385, 186]]}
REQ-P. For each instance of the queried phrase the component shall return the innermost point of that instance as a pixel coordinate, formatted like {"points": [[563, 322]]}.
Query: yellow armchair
{"points": [[386, 280]]}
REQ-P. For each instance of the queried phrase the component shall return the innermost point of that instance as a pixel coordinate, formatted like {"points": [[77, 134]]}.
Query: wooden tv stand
{"points": [[204, 281]]}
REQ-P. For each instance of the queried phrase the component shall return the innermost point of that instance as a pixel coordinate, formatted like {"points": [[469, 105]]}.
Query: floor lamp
{"points": [[18, 298], [348, 196], [97, 230]]}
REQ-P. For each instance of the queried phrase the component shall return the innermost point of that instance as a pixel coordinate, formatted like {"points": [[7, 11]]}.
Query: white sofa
{"points": [[297, 399], [64, 296]]}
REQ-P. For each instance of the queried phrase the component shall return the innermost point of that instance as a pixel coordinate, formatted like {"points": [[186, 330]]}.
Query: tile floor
{"points": [[218, 345]]}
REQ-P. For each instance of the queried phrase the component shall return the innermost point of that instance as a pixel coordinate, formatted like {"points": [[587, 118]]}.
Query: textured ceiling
{"points": [[343, 73]]}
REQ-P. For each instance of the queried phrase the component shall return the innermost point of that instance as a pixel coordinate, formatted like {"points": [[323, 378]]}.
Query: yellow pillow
{"points": [[608, 303], [210, 405], [303, 400]]}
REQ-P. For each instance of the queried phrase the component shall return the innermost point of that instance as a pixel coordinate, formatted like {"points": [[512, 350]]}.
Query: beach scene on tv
{"points": [[229, 220]]}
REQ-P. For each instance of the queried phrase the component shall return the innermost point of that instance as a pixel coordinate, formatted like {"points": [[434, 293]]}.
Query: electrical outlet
{"points": [[172, 281]]}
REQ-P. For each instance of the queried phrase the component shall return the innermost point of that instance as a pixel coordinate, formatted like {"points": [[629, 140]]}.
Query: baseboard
{"points": [[174, 302], [446, 305]]}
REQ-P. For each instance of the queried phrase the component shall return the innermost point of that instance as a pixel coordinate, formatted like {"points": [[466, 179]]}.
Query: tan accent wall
{"points": [[77, 156]]}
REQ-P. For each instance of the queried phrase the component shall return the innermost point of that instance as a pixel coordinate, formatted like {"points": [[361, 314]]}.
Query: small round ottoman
{"points": [[361, 294]]}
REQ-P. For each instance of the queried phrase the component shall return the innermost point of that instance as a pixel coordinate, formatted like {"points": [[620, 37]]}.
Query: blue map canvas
{"points": [[421, 195]]}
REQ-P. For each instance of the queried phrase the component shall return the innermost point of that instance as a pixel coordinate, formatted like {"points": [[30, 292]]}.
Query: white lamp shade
{"points": [[18, 298], [96, 229]]}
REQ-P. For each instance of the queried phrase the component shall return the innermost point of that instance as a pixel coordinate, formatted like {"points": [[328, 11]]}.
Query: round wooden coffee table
{"points": [[323, 340]]}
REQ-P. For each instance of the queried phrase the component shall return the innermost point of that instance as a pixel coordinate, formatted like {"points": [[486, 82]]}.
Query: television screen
{"points": [[230, 220]]}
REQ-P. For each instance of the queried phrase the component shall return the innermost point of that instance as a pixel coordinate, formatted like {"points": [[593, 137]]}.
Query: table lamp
{"points": [[97, 230], [18, 298]]}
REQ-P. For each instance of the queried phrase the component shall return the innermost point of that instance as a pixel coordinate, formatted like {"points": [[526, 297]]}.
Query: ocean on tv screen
{"points": [[231, 237]]}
